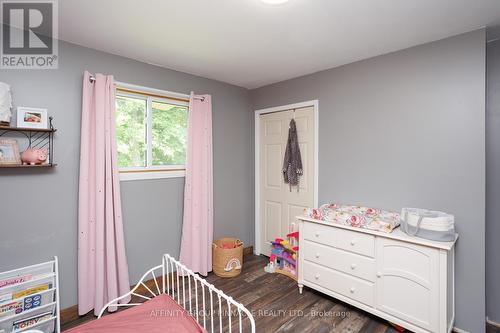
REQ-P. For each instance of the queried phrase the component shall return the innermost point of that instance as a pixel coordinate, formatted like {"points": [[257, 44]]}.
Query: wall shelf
{"points": [[37, 138], [20, 166], [26, 129]]}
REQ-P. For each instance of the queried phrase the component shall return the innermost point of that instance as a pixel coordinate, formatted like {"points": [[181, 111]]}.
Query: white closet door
{"points": [[279, 205]]}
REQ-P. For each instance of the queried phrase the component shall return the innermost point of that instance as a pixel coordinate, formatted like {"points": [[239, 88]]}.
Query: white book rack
{"points": [[29, 299]]}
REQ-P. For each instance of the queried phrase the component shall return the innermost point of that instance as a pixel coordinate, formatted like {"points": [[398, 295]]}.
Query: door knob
{"points": [[353, 266], [316, 276], [379, 275], [352, 290], [353, 242], [317, 255], [316, 234]]}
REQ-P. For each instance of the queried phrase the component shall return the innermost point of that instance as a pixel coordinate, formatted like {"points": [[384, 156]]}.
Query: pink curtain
{"points": [[197, 228], [102, 263]]}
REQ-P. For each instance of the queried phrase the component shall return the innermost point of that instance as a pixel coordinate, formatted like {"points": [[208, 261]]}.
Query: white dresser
{"points": [[406, 280]]}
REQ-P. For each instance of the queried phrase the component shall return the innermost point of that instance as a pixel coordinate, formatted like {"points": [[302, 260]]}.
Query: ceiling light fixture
{"points": [[274, 2]]}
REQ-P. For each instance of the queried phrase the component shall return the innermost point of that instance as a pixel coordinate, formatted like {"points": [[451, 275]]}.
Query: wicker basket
{"points": [[227, 262]]}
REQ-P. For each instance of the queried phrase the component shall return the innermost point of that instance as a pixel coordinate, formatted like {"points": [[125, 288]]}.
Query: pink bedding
{"points": [[160, 314]]}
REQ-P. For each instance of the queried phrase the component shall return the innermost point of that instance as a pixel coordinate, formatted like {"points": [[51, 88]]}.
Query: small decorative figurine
{"points": [[270, 267], [5, 104], [34, 156]]}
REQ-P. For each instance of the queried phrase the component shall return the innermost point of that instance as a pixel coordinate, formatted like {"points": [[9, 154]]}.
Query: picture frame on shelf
{"points": [[9, 152], [5, 104], [32, 117]]}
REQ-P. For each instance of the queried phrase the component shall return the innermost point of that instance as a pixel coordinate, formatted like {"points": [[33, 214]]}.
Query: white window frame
{"points": [[151, 171]]}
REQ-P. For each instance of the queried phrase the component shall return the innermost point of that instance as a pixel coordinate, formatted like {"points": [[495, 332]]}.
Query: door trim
{"points": [[315, 105]]}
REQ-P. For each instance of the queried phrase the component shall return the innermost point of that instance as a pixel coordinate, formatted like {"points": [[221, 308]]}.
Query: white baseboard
{"points": [[493, 323]]}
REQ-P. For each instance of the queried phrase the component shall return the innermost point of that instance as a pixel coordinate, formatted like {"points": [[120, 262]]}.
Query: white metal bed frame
{"points": [[173, 271]]}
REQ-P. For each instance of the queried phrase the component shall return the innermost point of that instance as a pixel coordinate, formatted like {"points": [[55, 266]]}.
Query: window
{"points": [[151, 134]]}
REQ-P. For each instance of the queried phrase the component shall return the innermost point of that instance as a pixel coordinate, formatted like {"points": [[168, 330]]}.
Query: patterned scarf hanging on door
{"points": [[292, 165]]}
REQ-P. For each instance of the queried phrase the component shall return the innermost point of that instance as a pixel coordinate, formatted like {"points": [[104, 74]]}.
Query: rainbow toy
{"points": [[283, 259]]}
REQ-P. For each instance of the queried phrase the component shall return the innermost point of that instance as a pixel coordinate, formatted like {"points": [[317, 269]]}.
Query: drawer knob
{"points": [[353, 266], [317, 255], [316, 234], [353, 242], [352, 290], [379, 275], [316, 276]]}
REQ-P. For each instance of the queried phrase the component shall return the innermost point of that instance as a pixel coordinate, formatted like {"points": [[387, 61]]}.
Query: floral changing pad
{"points": [[356, 216]]}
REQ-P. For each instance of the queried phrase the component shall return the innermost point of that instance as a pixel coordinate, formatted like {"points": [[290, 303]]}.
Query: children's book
{"points": [[30, 321], [36, 285], [20, 299], [17, 306], [11, 308], [15, 280], [32, 290]]}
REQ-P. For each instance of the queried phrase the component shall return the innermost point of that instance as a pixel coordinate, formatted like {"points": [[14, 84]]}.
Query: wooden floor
{"points": [[278, 307], [492, 329]]}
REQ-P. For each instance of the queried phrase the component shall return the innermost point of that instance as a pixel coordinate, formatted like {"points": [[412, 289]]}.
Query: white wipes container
{"points": [[433, 225]]}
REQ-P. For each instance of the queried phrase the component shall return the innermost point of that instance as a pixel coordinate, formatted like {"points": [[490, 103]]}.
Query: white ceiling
{"points": [[250, 44]]}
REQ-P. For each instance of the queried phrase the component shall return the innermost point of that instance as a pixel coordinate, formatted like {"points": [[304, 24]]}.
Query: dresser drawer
{"points": [[319, 233], [340, 260], [357, 289], [355, 242]]}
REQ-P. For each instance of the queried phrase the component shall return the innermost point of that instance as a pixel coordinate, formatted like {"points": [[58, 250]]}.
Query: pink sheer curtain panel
{"points": [[197, 228], [102, 262]]}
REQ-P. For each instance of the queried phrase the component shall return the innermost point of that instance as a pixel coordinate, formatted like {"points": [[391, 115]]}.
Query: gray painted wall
{"points": [[397, 105], [39, 207], [493, 176], [407, 129]]}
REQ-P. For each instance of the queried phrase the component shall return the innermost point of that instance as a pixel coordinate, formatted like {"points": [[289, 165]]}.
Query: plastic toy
{"points": [[283, 259], [269, 267]]}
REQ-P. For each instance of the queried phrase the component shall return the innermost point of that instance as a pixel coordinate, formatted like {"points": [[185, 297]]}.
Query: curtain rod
{"points": [[92, 80]]}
